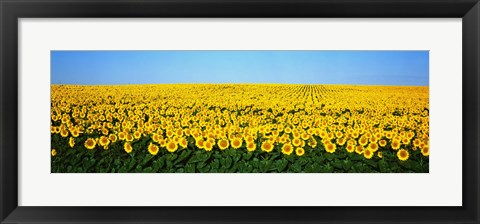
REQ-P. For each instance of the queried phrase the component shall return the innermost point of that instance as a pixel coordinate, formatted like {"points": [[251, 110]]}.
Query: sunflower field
{"points": [[239, 128]]}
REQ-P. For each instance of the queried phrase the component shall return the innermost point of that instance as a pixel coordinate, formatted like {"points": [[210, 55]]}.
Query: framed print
{"points": [[269, 111]]}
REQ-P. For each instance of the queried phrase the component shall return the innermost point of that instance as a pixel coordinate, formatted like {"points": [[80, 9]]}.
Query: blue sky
{"points": [[307, 67]]}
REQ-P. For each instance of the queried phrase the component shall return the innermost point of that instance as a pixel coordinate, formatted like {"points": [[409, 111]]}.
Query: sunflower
{"points": [[156, 137], [362, 141], [200, 143], [121, 135], [237, 143], [54, 152], [410, 135], [299, 151], [312, 143], [153, 149], [177, 140], [179, 132], [75, 132], [223, 144], [249, 138], [171, 146], [323, 134], [127, 147], [305, 136], [379, 154], [90, 143], [382, 143], [402, 154], [389, 135], [330, 147], [183, 142], [425, 151], [104, 141], [105, 131], [287, 149], [368, 153], [267, 146], [395, 145], [352, 142], [251, 146], [288, 130], [341, 141], [71, 142], [359, 149], [208, 146], [64, 133], [137, 134], [373, 146], [350, 148], [169, 133], [112, 137], [297, 142], [330, 135], [355, 134], [129, 137], [339, 134], [416, 142]]}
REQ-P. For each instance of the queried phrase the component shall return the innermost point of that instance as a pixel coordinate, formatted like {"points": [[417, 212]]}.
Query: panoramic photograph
{"points": [[239, 111]]}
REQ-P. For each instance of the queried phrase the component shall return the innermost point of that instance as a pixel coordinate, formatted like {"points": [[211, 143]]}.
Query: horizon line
{"points": [[131, 84]]}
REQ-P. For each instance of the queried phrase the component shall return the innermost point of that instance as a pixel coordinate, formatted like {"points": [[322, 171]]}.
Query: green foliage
{"points": [[78, 159]]}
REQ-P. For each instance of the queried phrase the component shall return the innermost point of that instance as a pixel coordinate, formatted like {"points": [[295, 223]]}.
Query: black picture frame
{"points": [[11, 11]]}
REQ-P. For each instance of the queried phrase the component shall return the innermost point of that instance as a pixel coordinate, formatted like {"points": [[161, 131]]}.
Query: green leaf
{"points": [[346, 165], [138, 169], [264, 166], [183, 156], [169, 164], [382, 165], [237, 157], [171, 156], [194, 159], [227, 163], [280, 165], [337, 164], [328, 168], [255, 163], [204, 169], [88, 163], [200, 165], [340, 155], [329, 156], [215, 164], [247, 156], [371, 163], [189, 168], [248, 169], [296, 168]]}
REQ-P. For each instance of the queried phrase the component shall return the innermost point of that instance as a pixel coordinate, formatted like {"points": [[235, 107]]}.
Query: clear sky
{"points": [[308, 67]]}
